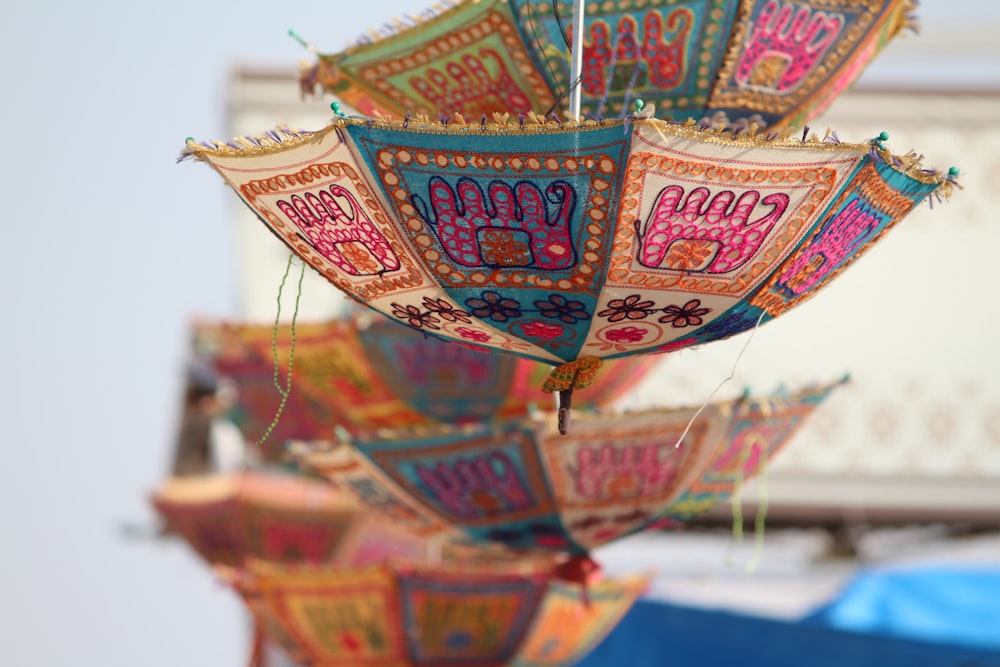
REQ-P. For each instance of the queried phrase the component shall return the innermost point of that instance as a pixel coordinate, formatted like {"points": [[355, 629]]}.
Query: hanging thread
{"points": [[732, 374], [287, 389], [759, 523]]}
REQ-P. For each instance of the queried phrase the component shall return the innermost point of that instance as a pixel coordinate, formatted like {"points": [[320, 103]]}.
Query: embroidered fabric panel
{"points": [[365, 376], [662, 51], [791, 58], [710, 227], [448, 383], [294, 536], [612, 477], [509, 228], [210, 529], [375, 491], [372, 541], [349, 618], [538, 243], [316, 198], [467, 620], [268, 622], [567, 628], [877, 198], [229, 519], [469, 60], [759, 430], [490, 485]]}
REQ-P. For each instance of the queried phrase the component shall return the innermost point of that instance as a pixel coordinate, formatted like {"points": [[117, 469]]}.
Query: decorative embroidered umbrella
{"points": [[521, 485], [402, 616], [773, 62], [570, 243], [229, 519], [368, 372]]}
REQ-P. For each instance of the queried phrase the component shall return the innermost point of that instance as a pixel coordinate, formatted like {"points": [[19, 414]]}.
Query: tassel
{"points": [[563, 379]]}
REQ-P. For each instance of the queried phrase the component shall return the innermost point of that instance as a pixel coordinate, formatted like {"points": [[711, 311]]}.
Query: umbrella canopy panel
{"points": [[524, 486], [392, 617], [772, 62], [564, 244], [229, 519], [365, 373]]}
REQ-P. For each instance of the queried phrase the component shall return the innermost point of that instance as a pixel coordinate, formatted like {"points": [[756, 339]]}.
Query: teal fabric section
{"points": [[669, 50]]}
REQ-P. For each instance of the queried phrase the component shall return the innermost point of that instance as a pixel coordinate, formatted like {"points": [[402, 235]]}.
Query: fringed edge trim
{"points": [[283, 138]]}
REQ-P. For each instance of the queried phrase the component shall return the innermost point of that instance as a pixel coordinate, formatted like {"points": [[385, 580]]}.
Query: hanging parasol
{"points": [[401, 616], [773, 62], [273, 517], [521, 485], [369, 372], [568, 243]]}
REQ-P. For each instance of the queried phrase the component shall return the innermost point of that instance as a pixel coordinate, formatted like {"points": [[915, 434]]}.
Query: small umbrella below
{"points": [[402, 616], [522, 485], [274, 517], [367, 372]]}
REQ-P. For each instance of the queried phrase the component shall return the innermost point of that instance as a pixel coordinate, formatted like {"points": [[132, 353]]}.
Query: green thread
{"points": [[291, 351], [761, 518], [736, 502]]}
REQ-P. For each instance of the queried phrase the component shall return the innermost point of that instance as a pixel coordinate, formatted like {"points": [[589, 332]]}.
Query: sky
{"points": [[108, 249]]}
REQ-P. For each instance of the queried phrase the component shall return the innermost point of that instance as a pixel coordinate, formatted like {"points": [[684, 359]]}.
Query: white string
{"points": [[732, 374]]}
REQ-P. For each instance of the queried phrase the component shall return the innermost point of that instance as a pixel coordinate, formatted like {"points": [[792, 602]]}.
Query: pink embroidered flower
{"points": [[542, 330], [626, 335], [472, 334]]}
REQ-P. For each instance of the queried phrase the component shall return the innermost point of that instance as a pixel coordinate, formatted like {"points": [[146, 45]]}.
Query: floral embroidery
{"points": [[689, 254], [360, 259], [501, 248], [542, 330], [560, 308], [493, 306], [415, 317], [690, 314], [446, 311], [628, 308], [626, 335], [472, 334]]}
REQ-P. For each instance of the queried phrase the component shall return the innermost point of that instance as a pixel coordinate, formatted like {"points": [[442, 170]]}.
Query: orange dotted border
{"points": [[595, 231], [407, 277]]}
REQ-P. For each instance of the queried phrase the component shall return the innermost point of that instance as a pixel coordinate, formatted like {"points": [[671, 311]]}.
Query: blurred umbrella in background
{"points": [[770, 62], [522, 485], [277, 517], [483, 614], [366, 372]]}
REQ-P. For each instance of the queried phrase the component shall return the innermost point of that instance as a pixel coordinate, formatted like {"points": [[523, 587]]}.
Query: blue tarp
{"points": [[958, 606], [655, 634]]}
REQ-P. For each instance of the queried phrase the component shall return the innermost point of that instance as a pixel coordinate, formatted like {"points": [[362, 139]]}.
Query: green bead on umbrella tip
{"points": [[952, 171], [190, 139], [639, 104], [883, 136]]}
